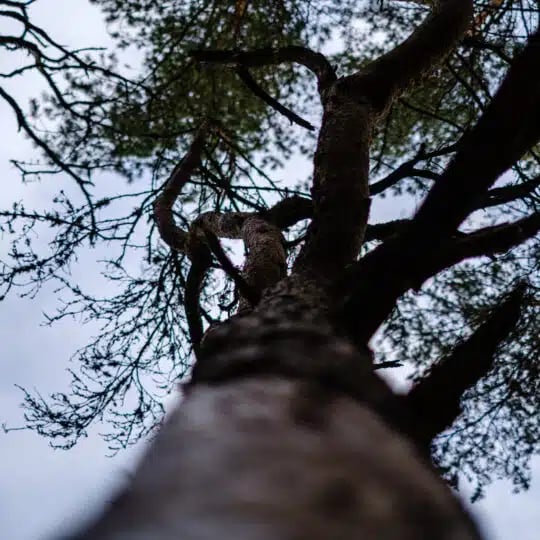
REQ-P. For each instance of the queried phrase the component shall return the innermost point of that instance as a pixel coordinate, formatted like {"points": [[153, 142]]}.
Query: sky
{"points": [[44, 491]]}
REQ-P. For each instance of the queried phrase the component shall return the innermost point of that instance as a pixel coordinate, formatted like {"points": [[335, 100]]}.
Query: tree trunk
{"points": [[283, 434]]}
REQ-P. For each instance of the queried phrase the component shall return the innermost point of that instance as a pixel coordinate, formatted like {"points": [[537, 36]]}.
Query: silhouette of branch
{"points": [[250, 82], [314, 61], [435, 400]]}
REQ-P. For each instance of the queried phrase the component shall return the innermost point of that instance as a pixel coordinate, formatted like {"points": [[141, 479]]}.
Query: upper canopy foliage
{"points": [[142, 126]]}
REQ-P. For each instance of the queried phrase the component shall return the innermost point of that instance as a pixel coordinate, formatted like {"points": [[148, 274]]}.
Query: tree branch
{"points": [[499, 238], [180, 240], [379, 265], [200, 263], [170, 233], [390, 75], [506, 194], [283, 214], [435, 400], [382, 231], [266, 260], [289, 211], [250, 82], [399, 174], [261, 233], [509, 127], [53, 156], [352, 106], [228, 267], [315, 62], [484, 242], [407, 169]]}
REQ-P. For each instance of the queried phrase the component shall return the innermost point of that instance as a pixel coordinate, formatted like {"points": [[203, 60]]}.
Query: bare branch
{"points": [[266, 261], [52, 155], [315, 62], [19, 5], [250, 82], [435, 400]]}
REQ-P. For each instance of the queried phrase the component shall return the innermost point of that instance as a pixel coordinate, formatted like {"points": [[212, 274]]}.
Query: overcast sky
{"points": [[44, 491]]}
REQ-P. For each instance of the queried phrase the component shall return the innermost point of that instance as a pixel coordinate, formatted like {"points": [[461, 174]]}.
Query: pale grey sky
{"points": [[44, 491]]}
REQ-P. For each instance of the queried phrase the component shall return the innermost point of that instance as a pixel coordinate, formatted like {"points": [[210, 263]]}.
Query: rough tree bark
{"points": [[285, 431]]}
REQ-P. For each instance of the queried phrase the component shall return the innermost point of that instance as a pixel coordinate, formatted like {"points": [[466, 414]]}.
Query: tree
{"points": [[286, 386]]}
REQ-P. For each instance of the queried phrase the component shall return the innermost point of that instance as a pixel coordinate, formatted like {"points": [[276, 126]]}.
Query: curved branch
{"points": [[200, 263], [180, 240], [289, 211], [266, 260], [171, 234], [314, 61], [391, 74], [283, 214]]}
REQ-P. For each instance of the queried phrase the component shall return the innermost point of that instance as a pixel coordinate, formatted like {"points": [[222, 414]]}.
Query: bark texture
{"points": [[271, 458], [284, 434]]}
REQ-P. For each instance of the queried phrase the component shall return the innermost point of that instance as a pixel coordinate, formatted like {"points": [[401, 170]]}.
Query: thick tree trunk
{"points": [[283, 434]]}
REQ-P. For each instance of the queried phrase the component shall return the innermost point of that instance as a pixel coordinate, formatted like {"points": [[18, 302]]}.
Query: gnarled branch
{"points": [[171, 234], [266, 260]]}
